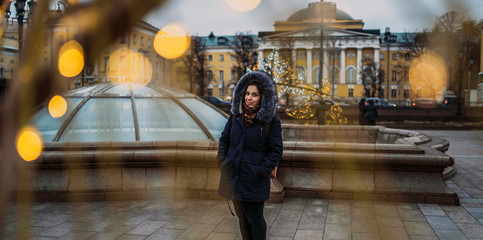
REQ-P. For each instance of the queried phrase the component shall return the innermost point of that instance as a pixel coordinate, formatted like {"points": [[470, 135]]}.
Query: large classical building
{"points": [[347, 48]]}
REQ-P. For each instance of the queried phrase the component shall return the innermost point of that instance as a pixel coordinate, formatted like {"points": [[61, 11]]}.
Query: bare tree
{"points": [[245, 48], [448, 22], [196, 65], [371, 78]]}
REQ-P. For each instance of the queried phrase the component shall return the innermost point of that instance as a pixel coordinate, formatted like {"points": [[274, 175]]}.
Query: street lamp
{"points": [[472, 61], [333, 40], [20, 9], [459, 101]]}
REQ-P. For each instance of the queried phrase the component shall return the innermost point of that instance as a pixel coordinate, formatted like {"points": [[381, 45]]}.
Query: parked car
{"points": [[424, 103], [449, 102], [216, 101], [380, 102]]}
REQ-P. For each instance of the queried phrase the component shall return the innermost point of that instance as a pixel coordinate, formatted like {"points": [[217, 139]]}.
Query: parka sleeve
{"points": [[224, 142], [274, 148]]}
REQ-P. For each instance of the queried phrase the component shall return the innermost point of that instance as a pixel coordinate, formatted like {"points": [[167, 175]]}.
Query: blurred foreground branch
{"points": [[34, 83]]}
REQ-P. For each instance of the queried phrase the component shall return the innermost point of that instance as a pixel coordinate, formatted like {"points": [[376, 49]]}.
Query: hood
{"points": [[268, 106]]}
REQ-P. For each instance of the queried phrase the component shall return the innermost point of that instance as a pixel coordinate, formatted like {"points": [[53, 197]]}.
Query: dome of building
{"points": [[306, 14], [129, 112]]}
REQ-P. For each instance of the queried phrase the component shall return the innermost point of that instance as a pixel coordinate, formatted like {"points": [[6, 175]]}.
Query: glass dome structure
{"points": [[128, 112]]}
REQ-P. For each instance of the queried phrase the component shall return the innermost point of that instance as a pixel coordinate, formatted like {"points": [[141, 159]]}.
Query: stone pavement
{"points": [[296, 218]]}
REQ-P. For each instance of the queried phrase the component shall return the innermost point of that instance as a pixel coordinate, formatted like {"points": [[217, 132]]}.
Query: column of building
{"points": [[309, 65]]}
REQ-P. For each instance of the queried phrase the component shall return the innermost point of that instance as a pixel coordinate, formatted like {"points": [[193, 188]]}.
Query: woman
{"points": [[250, 147]]}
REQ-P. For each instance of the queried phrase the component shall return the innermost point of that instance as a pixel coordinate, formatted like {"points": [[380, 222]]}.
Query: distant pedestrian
{"points": [[249, 150], [362, 112], [371, 112], [320, 111]]}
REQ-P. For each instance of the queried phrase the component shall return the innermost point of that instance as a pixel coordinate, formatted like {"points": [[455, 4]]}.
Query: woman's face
{"points": [[252, 96]]}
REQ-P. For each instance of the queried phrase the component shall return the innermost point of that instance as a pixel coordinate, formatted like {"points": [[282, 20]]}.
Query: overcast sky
{"points": [[203, 16]]}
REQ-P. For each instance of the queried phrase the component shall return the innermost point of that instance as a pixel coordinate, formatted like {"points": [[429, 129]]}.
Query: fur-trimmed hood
{"points": [[268, 106]]}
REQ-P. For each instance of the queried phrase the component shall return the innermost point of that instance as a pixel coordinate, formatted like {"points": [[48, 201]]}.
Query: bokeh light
{"points": [[127, 66], [29, 143], [57, 106], [243, 5], [172, 41], [71, 59], [427, 75]]}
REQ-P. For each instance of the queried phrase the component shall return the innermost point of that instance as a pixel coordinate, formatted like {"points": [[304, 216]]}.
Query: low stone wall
{"points": [[348, 162]]}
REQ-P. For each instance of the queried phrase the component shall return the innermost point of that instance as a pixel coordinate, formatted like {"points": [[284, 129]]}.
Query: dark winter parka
{"points": [[247, 156]]}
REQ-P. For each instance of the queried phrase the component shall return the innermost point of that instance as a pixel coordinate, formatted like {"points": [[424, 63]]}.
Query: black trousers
{"points": [[251, 220]]}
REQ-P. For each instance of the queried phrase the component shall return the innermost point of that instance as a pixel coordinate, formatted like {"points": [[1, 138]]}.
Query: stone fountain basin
{"points": [[335, 162]]}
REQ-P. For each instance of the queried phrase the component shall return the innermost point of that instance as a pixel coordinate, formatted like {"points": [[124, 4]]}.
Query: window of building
{"points": [[316, 75], [394, 75], [393, 93], [122, 63], [222, 57], [61, 39], [351, 92], [149, 42], [301, 54], [106, 64], [142, 41], [407, 56], [394, 56], [381, 56], [220, 76], [368, 56], [406, 93], [232, 75], [233, 57], [333, 74], [210, 57], [351, 75], [134, 40], [210, 75], [210, 92], [123, 38], [222, 41], [2, 72], [222, 92], [381, 93]]}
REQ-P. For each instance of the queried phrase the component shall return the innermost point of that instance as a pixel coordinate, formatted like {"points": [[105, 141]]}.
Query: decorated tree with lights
{"points": [[291, 83]]}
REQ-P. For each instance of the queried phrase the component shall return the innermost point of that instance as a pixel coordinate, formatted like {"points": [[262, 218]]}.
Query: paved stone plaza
{"points": [[296, 218]]}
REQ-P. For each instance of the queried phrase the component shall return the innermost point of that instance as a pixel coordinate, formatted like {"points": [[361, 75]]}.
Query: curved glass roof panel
{"points": [[164, 120], [83, 90], [177, 93], [48, 125], [213, 120], [101, 119]]}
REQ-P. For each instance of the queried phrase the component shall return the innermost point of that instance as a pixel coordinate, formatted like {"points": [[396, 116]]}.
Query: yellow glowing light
{"points": [[171, 41], [71, 59], [427, 75], [126, 66], [57, 106], [243, 5], [29, 143]]}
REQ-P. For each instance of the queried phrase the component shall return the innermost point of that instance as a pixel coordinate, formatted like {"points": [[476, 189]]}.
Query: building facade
{"points": [[131, 58], [347, 50], [220, 63]]}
